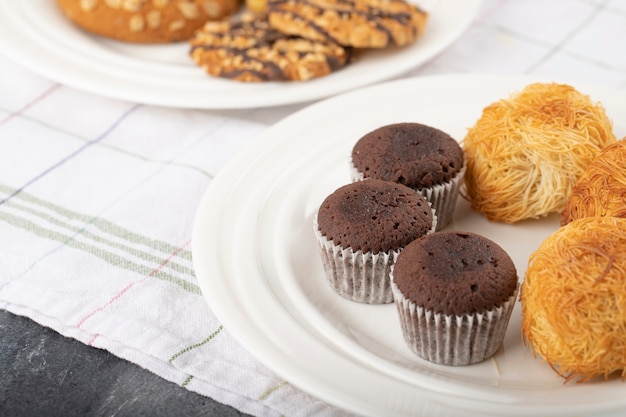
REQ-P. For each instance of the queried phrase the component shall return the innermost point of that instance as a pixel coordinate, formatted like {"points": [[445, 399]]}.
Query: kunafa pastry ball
{"points": [[601, 191], [574, 299], [525, 152]]}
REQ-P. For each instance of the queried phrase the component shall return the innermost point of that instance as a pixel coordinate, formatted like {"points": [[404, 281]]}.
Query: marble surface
{"points": [[45, 374]]}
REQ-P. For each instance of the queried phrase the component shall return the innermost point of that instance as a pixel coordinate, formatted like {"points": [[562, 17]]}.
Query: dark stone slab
{"points": [[45, 374]]}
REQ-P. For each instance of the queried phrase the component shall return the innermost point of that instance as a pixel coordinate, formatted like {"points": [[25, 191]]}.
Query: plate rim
{"points": [[255, 150], [196, 93]]}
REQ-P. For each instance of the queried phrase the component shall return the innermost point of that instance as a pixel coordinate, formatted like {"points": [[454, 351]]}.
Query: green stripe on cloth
{"points": [[186, 381], [100, 223], [105, 255], [196, 345], [89, 235], [271, 390]]}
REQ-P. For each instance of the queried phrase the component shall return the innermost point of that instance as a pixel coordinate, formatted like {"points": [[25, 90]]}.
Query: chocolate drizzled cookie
{"points": [[356, 23], [248, 49]]}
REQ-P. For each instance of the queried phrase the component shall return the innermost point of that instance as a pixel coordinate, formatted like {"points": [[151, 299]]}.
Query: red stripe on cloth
{"points": [[30, 104], [131, 285], [93, 339]]}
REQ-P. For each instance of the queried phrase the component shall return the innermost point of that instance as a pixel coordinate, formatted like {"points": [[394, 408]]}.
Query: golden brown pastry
{"points": [[146, 21], [245, 48], [526, 152], [601, 191], [574, 297], [356, 23]]}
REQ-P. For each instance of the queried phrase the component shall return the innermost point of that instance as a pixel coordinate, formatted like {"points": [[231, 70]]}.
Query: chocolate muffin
{"points": [[454, 292], [361, 227], [418, 156]]}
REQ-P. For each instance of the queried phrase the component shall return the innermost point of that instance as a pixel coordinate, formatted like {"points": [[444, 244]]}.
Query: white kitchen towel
{"points": [[98, 197]]}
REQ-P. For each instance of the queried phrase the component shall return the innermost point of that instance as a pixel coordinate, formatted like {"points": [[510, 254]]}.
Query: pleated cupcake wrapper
{"points": [[452, 339], [358, 276], [442, 197]]}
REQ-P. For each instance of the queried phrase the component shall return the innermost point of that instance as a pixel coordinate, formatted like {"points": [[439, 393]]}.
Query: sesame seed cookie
{"points": [[146, 21], [356, 23], [246, 49]]}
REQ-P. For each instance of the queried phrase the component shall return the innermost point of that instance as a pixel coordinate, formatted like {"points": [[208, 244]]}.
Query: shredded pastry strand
{"points": [[601, 190], [526, 152], [574, 299]]}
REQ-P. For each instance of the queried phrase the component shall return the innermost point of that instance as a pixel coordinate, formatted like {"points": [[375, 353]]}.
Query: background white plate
{"points": [[36, 34], [257, 263]]}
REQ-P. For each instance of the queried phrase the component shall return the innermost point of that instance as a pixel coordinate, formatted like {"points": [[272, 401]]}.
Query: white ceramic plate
{"points": [[257, 263], [36, 34]]}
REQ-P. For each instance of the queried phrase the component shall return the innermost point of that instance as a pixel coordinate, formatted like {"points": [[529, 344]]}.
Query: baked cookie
{"points": [[357, 23], [146, 21], [247, 49]]}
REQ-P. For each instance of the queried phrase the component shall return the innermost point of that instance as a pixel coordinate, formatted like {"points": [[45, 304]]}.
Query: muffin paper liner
{"points": [[452, 339], [442, 197], [358, 276]]}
